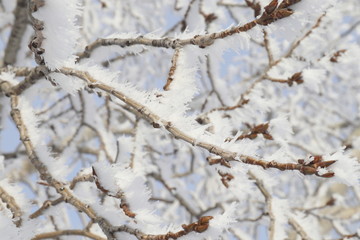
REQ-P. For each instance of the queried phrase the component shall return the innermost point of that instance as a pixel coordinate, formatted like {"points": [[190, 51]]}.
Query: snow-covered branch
{"points": [[185, 119]]}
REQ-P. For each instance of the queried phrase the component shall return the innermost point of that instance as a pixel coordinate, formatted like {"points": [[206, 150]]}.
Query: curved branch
{"points": [[12, 206], [67, 233], [157, 122]]}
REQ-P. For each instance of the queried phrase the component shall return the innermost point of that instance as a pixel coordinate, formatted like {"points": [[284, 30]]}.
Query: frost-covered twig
{"points": [[124, 205], [157, 122], [268, 198], [102, 141], [11, 204], [299, 41], [264, 75], [45, 206], [173, 192], [31, 76], [30, 79], [53, 105], [199, 226], [133, 152], [200, 40], [296, 77], [348, 236], [19, 71], [299, 229], [81, 178], [212, 80], [227, 4], [69, 232], [267, 47], [172, 69], [183, 21]]}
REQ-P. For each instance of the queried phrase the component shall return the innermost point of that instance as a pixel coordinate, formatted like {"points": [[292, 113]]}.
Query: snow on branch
{"points": [[226, 156], [268, 17], [185, 119], [51, 20]]}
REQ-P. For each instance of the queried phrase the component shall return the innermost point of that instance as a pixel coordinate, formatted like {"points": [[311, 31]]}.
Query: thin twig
{"points": [[69, 232], [12, 206], [45, 206], [172, 70], [268, 198], [267, 47], [200, 40], [173, 192]]}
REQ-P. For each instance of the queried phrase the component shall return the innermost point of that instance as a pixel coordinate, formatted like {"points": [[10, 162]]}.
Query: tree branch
{"points": [[12, 206], [200, 40], [157, 122]]}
